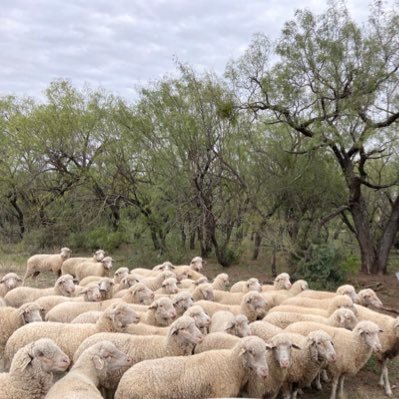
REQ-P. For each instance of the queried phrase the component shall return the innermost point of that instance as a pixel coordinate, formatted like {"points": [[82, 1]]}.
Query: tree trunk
{"points": [[19, 215], [274, 262]]}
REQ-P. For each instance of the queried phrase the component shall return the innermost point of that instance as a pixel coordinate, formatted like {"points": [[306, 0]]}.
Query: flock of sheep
{"points": [[169, 333]]}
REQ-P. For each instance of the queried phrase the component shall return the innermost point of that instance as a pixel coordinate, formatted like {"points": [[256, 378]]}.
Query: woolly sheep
{"points": [[220, 282], [278, 358], [229, 323], [153, 283], [90, 268], [70, 336], [253, 305], [168, 287], [120, 273], [203, 291], [126, 282], [190, 285], [205, 375], [31, 372], [182, 301], [228, 298], [281, 282], [346, 289], [368, 297], [70, 264], [63, 286], [182, 336], [340, 301], [106, 287], [389, 339], [89, 280], [353, 348], [264, 330], [160, 313], [194, 268], [316, 351], [44, 262], [251, 284], [216, 340], [89, 317], [344, 318], [154, 271], [91, 369], [12, 319], [8, 282]]}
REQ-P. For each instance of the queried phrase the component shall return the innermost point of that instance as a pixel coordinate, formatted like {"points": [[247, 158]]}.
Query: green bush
{"points": [[322, 268]]}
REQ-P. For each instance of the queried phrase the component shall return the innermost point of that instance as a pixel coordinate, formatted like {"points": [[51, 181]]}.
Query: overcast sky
{"points": [[119, 44]]}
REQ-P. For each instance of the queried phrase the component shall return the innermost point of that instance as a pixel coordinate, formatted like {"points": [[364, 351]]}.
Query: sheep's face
{"points": [[253, 285], [321, 347], [252, 351], [241, 326], [222, 278], [182, 302], [11, 281], [342, 301], [164, 266], [105, 285], [99, 255], [348, 290], [256, 303], [141, 294], [186, 331], [200, 317], [107, 263], [282, 282], [122, 315], [369, 331], [299, 286], [30, 313], [345, 318], [120, 274], [66, 285], [93, 294], [169, 286], [108, 357], [49, 355], [206, 292], [282, 347], [168, 274], [128, 281], [368, 297], [197, 264], [164, 311], [65, 253]]}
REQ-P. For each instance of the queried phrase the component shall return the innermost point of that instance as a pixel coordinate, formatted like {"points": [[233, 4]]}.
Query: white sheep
{"points": [[120, 273], [278, 358], [190, 285], [12, 319], [343, 317], [69, 336], [205, 375], [44, 262], [264, 329], [18, 296], [346, 289], [154, 283], [31, 372], [168, 287], [160, 313], [8, 282], [182, 301], [154, 271], [253, 305], [70, 264], [91, 369], [229, 323], [251, 284], [353, 348], [220, 282], [203, 291], [182, 336], [281, 282], [216, 340], [90, 317], [90, 268], [369, 298]]}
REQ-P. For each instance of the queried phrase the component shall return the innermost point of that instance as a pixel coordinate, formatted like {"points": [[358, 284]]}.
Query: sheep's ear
{"points": [[229, 326], [296, 346], [173, 330], [380, 330], [3, 280], [269, 347], [98, 362], [25, 362], [243, 351], [154, 305]]}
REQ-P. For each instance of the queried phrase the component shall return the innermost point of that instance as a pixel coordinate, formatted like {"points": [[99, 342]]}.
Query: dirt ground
{"points": [[362, 386]]}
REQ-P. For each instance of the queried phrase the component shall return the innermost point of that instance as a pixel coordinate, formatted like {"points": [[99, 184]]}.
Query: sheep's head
{"points": [[368, 297], [369, 331], [185, 330], [107, 357], [92, 293], [164, 311], [281, 345], [222, 278], [349, 290], [256, 304], [252, 352], [182, 301], [99, 255], [164, 266], [299, 286], [129, 280], [122, 315], [140, 293], [204, 291], [30, 313], [65, 253], [105, 285], [11, 281], [253, 285], [169, 286], [240, 326], [107, 263], [344, 318], [43, 353], [321, 347], [197, 263], [341, 301], [65, 285], [120, 274], [282, 282], [201, 318]]}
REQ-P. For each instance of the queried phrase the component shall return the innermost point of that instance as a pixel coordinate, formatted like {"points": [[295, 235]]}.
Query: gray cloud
{"points": [[119, 44]]}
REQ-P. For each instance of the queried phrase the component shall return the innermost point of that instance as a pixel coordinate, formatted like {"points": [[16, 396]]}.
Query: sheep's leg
{"points": [[385, 378], [287, 390], [341, 386], [334, 386], [324, 375], [317, 382]]}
